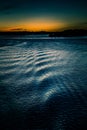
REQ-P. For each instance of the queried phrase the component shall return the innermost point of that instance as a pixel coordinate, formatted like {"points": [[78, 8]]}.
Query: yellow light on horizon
{"points": [[42, 25], [35, 24]]}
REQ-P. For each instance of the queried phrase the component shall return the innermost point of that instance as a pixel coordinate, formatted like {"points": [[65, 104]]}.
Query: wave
{"points": [[44, 84]]}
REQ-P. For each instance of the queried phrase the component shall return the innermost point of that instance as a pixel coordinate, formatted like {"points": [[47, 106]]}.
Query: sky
{"points": [[42, 15]]}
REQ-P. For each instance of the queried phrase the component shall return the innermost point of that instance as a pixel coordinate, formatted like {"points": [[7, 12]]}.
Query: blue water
{"points": [[43, 83]]}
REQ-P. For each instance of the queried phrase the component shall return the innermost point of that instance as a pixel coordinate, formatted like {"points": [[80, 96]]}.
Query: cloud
{"points": [[17, 29], [8, 5], [6, 8], [84, 23]]}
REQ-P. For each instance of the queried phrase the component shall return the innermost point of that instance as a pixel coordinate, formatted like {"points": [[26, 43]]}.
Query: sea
{"points": [[43, 83]]}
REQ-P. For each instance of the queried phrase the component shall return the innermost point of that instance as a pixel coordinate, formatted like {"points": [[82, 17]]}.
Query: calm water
{"points": [[43, 83]]}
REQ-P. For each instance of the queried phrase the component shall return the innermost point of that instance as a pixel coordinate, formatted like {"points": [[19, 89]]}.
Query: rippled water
{"points": [[43, 84]]}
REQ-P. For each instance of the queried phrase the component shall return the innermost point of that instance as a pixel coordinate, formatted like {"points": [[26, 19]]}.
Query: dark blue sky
{"points": [[15, 13]]}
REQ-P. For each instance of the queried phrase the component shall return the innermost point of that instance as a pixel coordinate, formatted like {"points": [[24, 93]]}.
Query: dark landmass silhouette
{"points": [[65, 33], [69, 33], [22, 32]]}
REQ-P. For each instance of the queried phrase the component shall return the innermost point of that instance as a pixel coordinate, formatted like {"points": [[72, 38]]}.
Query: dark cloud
{"points": [[85, 23], [17, 29], [7, 8]]}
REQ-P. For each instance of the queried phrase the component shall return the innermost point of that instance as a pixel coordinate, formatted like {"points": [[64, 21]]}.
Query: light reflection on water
{"points": [[47, 77]]}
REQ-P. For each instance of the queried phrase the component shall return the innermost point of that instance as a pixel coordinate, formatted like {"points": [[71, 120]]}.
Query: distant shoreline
{"points": [[65, 33]]}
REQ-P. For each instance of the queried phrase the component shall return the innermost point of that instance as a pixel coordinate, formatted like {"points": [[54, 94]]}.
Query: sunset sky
{"points": [[42, 15]]}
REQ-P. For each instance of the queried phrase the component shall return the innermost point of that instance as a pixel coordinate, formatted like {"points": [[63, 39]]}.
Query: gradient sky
{"points": [[42, 15]]}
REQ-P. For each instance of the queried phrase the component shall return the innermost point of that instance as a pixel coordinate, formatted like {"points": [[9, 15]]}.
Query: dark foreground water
{"points": [[43, 84]]}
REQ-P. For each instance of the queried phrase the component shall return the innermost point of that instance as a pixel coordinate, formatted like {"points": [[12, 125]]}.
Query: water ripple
{"points": [[45, 78]]}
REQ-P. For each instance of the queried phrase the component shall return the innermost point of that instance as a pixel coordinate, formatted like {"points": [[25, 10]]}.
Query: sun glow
{"points": [[42, 25], [37, 24]]}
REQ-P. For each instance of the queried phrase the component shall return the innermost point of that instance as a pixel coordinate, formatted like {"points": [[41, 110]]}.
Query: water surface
{"points": [[43, 83]]}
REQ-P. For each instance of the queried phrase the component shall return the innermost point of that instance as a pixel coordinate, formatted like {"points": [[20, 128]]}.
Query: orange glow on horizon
{"points": [[43, 25], [35, 25]]}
